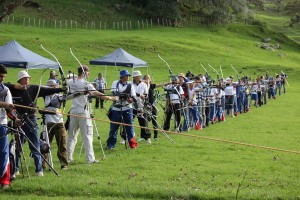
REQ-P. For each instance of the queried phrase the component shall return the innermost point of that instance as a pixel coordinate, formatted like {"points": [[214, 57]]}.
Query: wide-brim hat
{"points": [[136, 73], [124, 73], [23, 74], [181, 75]]}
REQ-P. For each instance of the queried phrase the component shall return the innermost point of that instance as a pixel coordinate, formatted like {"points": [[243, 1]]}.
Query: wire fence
{"points": [[107, 25]]}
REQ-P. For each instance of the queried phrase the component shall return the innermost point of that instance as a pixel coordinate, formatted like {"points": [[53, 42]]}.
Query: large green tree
{"points": [[8, 6]]}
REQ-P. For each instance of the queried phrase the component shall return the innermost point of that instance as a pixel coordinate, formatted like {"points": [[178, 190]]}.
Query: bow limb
{"points": [[61, 71], [170, 70], [78, 63]]}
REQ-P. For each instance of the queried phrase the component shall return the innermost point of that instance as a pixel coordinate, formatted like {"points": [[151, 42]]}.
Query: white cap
{"points": [[23, 74], [52, 82], [136, 73]]}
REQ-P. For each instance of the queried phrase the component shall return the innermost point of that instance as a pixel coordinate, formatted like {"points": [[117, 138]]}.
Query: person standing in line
{"points": [[121, 111], [141, 91], [80, 106], [55, 125], [28, 96], [152, 101], [100, 85], [6, 109], [173, 104]]}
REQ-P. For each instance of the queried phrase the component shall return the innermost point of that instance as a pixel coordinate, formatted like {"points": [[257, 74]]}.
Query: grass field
{"points": [[192, 168]]}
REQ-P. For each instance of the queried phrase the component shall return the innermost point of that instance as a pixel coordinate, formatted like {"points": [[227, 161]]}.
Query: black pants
{"points": [[145, 133], [98, 100], [173, 108], [154, 120]]}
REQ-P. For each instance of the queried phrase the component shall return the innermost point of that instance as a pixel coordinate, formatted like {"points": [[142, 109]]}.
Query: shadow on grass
{"points": [[109, 194]]}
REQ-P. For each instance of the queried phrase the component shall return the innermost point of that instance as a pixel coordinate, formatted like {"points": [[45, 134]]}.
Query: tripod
{"points": [[149, 113], [19, 132], [45, 137]]}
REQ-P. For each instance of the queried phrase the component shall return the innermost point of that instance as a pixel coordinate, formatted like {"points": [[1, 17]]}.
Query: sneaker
{"points": [[17, 173], [141, 139], [148, 141], [122, 141], [64, 167], [92, 162], [5, 187], [39, 174], [110, 148], [70, 160], [133, 143], [155, 139], [198, 126]]}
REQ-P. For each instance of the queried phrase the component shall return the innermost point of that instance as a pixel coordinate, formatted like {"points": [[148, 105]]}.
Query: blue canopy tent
{"points": [[14, 55], [120, 58]]}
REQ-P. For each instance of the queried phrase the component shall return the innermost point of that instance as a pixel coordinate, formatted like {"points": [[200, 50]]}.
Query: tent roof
{"points": [[120, 58], [13, 54]]}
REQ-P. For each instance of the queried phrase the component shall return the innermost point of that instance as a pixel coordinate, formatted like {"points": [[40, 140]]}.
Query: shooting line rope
{"points": [[171, 132]]}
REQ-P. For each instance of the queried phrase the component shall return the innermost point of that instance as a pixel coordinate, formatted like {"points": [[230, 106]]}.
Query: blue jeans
{"points": [[213, 111], [194, 111], [31, 130], [4, 151], [278, 88], [116, 116]]}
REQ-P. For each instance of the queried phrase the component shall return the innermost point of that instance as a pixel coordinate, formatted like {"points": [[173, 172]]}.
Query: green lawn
{"points": [[192, 168]]}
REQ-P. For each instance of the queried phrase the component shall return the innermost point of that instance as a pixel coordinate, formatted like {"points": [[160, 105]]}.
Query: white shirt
{"points": [[254, 89], [8, 99], [121, 88], [229, 90], [141, 88], [213, 94], [80, 103], [175, 96], [100, 83]]}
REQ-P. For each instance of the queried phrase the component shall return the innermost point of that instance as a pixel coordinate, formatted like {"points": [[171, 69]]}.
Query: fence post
{"points": [[86, 24], [122, 25], [170, 23], [118, 26], [104, 25], [158, 22], [39, 23], [55, 24], [130, 25], [13, 20], [24, 21], [71, 23], [163, 22], [7, 20], [43, 23], [66, 24], [126, 24], [147, 22], [138, 24], [29, 22], [143, 24]]}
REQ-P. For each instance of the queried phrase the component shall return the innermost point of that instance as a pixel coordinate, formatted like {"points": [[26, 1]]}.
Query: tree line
{"points": [[209, 11]]}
